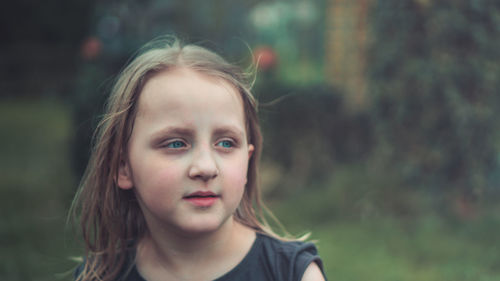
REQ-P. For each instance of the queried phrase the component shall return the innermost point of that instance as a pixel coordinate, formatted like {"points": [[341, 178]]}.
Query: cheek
{"points": [[158, 186], [236, 175]]}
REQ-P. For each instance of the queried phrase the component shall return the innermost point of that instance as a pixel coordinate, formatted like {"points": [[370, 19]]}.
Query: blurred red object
{"points": [[265, 57], [91, 48]]}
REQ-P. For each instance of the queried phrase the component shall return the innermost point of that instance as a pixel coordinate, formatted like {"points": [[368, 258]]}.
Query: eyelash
{"points": [[179, 144], [172, 144], [229, 142]]}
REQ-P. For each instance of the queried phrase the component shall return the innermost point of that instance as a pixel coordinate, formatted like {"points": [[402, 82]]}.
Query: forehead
{"points": [[181, 88]]}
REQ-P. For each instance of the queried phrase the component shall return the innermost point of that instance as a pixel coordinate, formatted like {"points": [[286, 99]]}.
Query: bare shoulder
{"points": [[313, 273]]}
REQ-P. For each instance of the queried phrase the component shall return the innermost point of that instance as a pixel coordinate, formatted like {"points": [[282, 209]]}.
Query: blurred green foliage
{"points": [[308, 131], [430, 125], [434, 82]]}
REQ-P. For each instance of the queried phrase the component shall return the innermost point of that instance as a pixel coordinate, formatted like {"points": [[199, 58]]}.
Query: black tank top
{"points": [[268, 259]]}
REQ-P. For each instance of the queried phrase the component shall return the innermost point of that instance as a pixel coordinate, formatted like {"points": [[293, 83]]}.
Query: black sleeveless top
{"points": [[268, 259]]}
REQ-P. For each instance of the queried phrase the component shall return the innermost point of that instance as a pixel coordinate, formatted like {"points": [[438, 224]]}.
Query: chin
{"points": [[203, 226]]}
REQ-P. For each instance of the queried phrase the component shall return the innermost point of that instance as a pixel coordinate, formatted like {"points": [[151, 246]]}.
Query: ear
{"points": [[251, 149], [124, 180]]}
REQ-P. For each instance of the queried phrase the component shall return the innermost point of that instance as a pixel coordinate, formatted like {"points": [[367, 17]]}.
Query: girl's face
{"points": [[188, 152]]}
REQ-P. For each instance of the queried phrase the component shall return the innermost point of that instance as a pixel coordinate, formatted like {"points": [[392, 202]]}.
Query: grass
{"points": [[37, 184], [358, 241], [35, 189], [386, 250]]}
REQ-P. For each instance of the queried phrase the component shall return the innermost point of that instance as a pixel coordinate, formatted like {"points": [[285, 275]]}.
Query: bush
{"points": [[434, 79], [308, 130]]}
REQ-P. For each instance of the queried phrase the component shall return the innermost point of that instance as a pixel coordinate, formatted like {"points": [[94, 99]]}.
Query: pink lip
{"points": [[202, 198]]}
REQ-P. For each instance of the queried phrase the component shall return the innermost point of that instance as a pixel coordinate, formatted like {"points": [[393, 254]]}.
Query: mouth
{"points": [[201, 194], [202, 198]]}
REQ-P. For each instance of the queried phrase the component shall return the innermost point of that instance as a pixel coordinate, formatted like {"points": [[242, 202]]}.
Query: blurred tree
{"points": [[291, 28], [434, 77], [346, 41], [39, 45], [308, 130]]}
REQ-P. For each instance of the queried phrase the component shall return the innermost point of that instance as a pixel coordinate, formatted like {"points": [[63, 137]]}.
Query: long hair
{"points": [[110, 218]]}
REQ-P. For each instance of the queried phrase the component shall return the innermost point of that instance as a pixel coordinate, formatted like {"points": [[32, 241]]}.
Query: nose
{"points": [[203, 165]]}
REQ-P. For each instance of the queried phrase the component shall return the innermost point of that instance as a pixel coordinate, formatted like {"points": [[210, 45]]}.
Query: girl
{"points": [[171, 192]]}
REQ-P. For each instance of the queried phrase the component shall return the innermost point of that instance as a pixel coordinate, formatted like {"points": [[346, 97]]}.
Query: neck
{"points": [[181, 255], [168, 242]]}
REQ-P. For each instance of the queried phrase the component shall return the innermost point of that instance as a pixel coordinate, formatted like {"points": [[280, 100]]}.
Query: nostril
{"points": [[203, 173], [203, 166]]}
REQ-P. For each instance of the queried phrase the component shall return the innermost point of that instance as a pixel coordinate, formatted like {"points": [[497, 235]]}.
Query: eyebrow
{"points": [[174, 130], [171, 130], [229, 129]]}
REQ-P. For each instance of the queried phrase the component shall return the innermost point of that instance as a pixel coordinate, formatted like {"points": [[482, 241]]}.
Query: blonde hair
{"points": [[110, 218]]}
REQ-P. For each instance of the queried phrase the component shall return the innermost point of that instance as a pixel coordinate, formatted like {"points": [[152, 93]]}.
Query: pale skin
{"points": [[189, 137]]}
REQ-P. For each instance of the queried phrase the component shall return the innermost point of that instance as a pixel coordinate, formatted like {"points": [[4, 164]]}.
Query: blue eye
{"points": [[225, 144], [176, 144]]}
